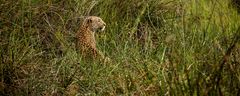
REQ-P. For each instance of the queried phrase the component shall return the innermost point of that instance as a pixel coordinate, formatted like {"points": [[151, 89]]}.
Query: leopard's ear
{"points": [[89, 20]]}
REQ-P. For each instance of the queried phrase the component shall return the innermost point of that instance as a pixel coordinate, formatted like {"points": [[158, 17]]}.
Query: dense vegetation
{"points": [[157, 47]]}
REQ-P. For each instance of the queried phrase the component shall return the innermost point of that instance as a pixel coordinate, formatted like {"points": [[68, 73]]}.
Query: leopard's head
{"points": [[95, 23]]}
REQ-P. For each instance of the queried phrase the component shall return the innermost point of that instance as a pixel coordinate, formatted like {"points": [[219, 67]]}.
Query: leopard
{"points": [[86, 41]]}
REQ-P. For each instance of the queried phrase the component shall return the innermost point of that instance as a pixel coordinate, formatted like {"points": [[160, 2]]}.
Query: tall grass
{"points": [[157, 47]]}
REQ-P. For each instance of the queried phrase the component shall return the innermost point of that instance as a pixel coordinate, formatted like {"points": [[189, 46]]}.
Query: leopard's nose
{"points": [[104, 24]]}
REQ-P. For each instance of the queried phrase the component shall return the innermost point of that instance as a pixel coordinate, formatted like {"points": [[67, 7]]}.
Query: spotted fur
{"points": [[86, 37]]}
